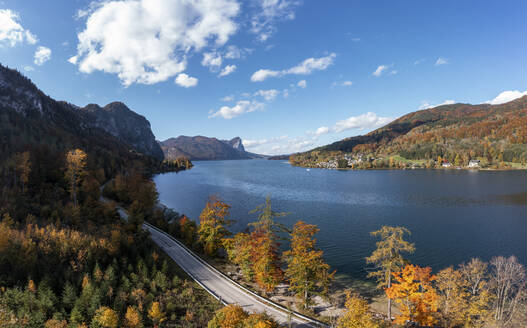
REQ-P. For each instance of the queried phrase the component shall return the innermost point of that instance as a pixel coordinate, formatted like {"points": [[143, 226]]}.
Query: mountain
{"points": [[236, 143], [496, 133], [204, 148], [29, 119], [126, 125]]}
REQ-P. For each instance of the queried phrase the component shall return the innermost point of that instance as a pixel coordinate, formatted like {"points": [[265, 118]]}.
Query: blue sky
{"points": [[285, 75]]}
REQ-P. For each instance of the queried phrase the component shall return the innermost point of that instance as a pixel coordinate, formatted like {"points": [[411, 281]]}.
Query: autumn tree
{"points": [[155, 314], [453, 298], [475, 280], [357, 313], [508, 284], [417, 298], [267, 219], [106, 317], [266, 262], [233, 316], [307, 271], [230, 316], [239, 250], [75, 163], [132, 318], [264, 246], [213, 225], [387, 257]]}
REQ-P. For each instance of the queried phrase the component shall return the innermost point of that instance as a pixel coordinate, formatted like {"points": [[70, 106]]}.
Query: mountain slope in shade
{"points": [[205, 148], [30, 118], [497, 132], [126, 125]]}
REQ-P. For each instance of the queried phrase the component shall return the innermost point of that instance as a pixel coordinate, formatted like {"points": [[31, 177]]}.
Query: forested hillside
{"points": [[66, 257], [494, 134]]}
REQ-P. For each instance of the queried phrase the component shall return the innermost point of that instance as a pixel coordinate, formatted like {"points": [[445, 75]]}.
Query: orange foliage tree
{"points": [[416, 296]]}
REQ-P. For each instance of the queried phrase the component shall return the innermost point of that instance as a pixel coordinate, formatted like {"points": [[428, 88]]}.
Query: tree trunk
{"points": [[389, 299]]}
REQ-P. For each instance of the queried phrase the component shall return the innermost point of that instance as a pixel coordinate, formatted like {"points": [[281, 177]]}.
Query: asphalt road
{"points": [[215, 283]]}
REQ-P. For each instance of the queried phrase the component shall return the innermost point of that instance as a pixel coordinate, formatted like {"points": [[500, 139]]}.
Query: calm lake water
{"points": [[453, 214]]}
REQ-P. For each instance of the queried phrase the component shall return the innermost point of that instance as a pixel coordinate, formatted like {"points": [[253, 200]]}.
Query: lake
{"points": [[453, 215]]}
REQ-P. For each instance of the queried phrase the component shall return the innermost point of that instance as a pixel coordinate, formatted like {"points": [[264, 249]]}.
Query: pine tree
{"points": [[388, 258], [307, 271]]}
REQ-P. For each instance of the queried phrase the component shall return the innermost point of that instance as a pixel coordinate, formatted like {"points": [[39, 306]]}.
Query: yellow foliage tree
{"points": [[155, 314], [388, 258], [417, 298], [453, 298], [75, 163], [54, 323], [230, 316], [132, 318], [357, 314], [307, 271], [106, 317], [213, 223], [233, 316]]}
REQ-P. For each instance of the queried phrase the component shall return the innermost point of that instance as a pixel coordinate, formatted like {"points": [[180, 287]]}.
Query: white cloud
{"points": [[11, 32], [365, 121], [268, 95], [507, 96], [267, 13], [234, 52], [285, 93], [441, 61], [322, 130], [148, 41], [302, 84], [228, 98], [279, 145], [343, 84], [254, 143], [426, 105], [42, 55], [241, 107], [227, 70], [186, 81], [263, 74], [28, 68], [212, 60], [378, 72], [304, 68]]}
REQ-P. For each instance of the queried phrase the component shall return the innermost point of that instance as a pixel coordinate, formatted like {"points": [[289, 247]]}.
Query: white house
{"points": [[446, 164], [473, 163]]}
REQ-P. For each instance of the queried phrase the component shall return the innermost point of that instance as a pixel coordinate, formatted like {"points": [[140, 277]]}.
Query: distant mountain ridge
{"points": [[205, 148]]}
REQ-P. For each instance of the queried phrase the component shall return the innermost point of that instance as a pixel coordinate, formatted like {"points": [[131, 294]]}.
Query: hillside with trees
{"points": [[66, 257], [494, 135]]}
